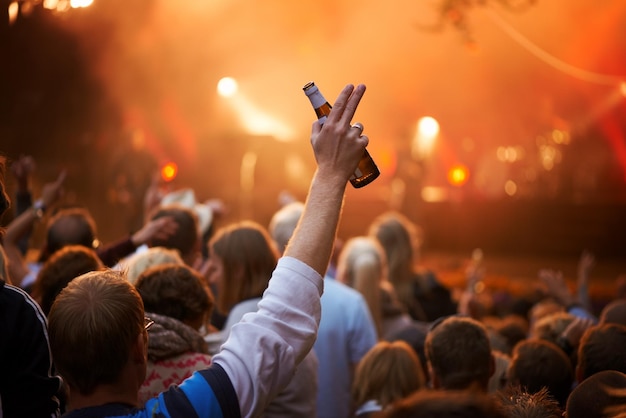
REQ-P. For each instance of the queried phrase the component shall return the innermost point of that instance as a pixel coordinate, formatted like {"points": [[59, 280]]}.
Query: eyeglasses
{"points": [[147, 323]]}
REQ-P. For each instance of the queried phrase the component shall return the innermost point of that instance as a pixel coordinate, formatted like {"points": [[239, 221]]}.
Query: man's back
{"points": [[345, 334], [29, 385]]}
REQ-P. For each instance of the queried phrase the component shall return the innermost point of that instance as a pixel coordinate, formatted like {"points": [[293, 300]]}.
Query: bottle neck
{"points": [[315, 96]]}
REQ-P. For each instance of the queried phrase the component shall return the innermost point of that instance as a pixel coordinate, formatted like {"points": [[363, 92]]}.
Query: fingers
{"points": [[358, 126], [346, 104], [353, 103]]}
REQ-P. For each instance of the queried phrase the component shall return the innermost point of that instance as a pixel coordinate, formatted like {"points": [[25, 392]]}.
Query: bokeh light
{"points": [[227, 87], [169, 171], [458, 175]]}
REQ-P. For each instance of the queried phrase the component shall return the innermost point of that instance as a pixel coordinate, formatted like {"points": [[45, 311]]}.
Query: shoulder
{"points": [[17, 301], [335, 288]]}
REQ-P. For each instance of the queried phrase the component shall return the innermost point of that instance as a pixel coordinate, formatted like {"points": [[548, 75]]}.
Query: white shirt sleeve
{"points": [[263, 350]]}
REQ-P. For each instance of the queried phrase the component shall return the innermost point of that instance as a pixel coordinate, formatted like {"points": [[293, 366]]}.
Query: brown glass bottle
{"points": [[366, 172]]}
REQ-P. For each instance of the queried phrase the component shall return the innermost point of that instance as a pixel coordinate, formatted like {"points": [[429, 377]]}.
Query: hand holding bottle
{"points": [[366, 170], [337, 145]]}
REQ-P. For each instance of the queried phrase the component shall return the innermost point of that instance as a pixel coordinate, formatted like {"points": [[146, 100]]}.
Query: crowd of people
{"points": [[189, 318]]}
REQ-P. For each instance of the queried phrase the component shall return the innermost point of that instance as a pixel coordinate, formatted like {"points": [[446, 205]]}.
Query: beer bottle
{"points": [[366, 171]]}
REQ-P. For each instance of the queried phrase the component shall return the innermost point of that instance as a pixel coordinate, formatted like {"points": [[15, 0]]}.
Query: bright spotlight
{"points": [[425, 136], [227, 87], [75, 4], [622, 88], [428, 127], [14, 9]]}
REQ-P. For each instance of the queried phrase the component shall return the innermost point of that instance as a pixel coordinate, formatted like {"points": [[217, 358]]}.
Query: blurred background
{"points": [[496, 124]]}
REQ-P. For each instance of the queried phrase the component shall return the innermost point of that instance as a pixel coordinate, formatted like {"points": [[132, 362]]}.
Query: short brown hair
{"points": [[389, 371], [445, 404], [601, 395], [62, 267], [176, 291], [459, 352], [93, 324], [602, 348], [538, 363], [186, 239]]}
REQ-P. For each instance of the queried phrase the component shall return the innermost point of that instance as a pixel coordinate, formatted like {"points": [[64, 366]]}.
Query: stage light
{"points": [[227, 87], [424, 139], [458, 175], [75, 4], [169, 171], [428, 127]]}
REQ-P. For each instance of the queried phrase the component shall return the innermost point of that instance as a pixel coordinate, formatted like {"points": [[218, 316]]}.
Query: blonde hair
{"points": [[152, 257], [362, 265], [388, 372], [284, 222]]}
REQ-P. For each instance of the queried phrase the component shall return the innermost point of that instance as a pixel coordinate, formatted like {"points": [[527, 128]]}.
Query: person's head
{"points": [[601, 395], [539, 363], [152, 257], [513, 328], [401, 239], [186, 239], [242, 258], [445, 404], [459, 354], [176, 291], [414, 334], [62, 267], [388, 372], [284, 222], [515, 402], [70, 226], [601, 348], [97, 333], [362, 266], [551, 326], [543, 308], [614, 313]]}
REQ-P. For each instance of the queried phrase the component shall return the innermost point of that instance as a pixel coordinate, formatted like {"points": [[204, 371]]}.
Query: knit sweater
{"points": [[175, 351]]}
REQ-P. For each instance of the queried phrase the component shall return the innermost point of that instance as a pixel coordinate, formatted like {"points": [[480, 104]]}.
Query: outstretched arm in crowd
{"points": [[585, 264], [22, 169], [18, 268], [284, 329], [558, 289]]}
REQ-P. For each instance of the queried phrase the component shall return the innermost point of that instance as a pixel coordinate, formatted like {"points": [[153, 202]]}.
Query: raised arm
{"points": [[337, 147], [263, 350], [22, 224]]}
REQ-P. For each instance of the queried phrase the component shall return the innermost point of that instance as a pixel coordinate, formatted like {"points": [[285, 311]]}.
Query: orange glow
{"points": [[386, 159], [80, 3], [458, 175], [169, 171]]}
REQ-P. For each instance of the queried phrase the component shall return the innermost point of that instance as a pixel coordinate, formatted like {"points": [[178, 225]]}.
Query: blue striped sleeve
{"points": [[207, 393]]}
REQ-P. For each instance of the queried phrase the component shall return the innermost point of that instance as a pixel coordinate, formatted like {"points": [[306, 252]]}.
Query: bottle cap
{"points": [[310, 88]]}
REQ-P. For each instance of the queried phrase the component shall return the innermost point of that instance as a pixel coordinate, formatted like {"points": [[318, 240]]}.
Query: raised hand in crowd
{"points": [[50, 195]]}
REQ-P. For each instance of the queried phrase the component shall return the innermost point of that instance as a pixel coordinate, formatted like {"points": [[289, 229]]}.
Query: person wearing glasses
{"points": [[178, 303], [96, 324]]}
